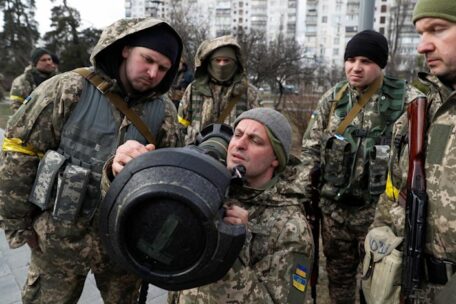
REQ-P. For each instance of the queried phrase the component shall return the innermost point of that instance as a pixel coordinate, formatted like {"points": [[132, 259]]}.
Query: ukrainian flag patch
{"points": [[301, 271], [299, 278]]}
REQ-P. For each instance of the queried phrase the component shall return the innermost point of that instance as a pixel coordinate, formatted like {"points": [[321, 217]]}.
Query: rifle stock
{"points": [[416, 203]]}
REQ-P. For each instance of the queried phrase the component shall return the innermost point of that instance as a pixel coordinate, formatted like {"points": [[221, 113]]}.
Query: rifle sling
{"points": [[360, 104], [118, 102], [228, 108]]}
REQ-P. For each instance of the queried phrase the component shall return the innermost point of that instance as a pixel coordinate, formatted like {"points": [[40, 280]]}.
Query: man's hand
{"points": [[126, 152], [236, 215]]}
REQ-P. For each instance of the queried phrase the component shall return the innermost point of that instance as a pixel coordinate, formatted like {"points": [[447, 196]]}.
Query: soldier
{"points": [[274, 264], [220, 91], [40, 69], [435, 21], [73, 128], [349, 139]]}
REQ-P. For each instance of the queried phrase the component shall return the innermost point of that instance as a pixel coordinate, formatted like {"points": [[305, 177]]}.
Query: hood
{"points": [[208, 46], [106, 55]]}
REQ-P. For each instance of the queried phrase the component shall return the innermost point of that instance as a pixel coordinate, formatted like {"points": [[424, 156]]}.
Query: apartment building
{"points": [[222, 17], [323, 27]]}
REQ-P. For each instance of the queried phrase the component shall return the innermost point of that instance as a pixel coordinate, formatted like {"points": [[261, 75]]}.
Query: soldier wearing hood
{"points": [[56, 145], [220, 91]]}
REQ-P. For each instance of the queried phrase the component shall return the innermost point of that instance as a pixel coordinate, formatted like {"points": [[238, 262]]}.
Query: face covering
{"points": [[222, 72]]}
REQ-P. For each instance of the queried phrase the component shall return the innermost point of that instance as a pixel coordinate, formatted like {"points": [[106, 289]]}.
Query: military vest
{"points": [[355, 162], [197, 100], [89, 137]]}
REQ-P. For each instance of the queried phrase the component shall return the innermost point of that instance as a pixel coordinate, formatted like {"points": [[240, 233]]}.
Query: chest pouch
{"points": [[338, 158], [71, 189], [43, 188], [378, 169], [60, 186]]}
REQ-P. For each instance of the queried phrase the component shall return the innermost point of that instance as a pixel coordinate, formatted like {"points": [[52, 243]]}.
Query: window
{"points": [[383, 9], [382, 19], [324, 19]]}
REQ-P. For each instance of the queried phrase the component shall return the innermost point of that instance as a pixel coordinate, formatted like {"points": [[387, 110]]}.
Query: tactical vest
{"points": [[197, 100], [89, 137], [343, 155]]}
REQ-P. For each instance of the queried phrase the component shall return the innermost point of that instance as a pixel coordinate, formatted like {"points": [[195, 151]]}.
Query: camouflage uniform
{"points": [[68, 250], [24, 84], [439, 164], [205, 99], [346, 220], [274, 264], [183, 79]]}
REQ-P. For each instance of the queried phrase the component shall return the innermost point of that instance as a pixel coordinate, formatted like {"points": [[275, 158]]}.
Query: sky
{"points": [[95, 13]]}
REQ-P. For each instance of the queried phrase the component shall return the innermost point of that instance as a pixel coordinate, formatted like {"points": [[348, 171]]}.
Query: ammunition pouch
{"points": [[43, 189], [378, 169], [338, 158], [61, 186], [382, 266]]}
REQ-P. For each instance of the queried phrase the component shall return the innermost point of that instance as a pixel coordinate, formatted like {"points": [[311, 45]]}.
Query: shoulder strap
{"points": [[359, 105], [117, 101], [228, 108], [338, 97]]}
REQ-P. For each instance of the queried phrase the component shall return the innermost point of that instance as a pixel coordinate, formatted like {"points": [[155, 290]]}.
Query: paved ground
{"points": [[13, 270]]}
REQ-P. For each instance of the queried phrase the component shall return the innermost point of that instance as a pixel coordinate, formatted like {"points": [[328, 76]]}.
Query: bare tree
{"points": [[400, 27], [192, 33]]}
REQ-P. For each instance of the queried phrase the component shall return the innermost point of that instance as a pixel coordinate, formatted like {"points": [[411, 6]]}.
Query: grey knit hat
{"points": [[277, 126]]}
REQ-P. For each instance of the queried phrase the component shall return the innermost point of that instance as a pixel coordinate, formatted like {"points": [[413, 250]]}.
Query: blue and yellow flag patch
{"points": [[300, 278]]}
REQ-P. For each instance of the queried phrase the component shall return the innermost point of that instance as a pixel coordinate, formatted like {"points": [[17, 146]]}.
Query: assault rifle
{"points": [[416, 203], [313, 214]]}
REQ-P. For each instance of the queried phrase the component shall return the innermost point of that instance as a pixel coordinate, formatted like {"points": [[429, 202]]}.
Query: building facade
{"points": [[322, 27]]}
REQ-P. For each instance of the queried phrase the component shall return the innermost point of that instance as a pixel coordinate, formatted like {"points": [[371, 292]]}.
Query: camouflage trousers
{"points": [[68, 252], [343, 232]]}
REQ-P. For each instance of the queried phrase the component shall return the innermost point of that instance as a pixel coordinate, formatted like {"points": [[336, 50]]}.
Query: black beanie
{"points": [[157, 38], [36, 55], [370, 44]]}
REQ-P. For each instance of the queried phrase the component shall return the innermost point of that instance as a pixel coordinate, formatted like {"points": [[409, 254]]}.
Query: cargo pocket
{"points": [[71, 189], [43, 186]]}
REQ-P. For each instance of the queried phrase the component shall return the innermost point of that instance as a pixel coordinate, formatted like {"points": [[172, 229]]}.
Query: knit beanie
{"points": [[369, 44], [157, 38], [36, 55], [444, 9], [278, 129]]}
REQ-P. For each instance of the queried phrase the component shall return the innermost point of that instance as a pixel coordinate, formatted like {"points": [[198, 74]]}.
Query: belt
{"points": [[438, 271]]}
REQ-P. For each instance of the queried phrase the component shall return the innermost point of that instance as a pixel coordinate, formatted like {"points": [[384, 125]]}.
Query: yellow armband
{"points": [[183, 121], [16, 98], [391, 192], [16, 145]]}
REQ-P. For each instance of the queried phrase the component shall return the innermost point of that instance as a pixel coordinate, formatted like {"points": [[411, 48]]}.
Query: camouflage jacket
{"points": [[37, 128], [204, 100], [275, 263], [440, 161], [325, 123], [24, 84]]}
